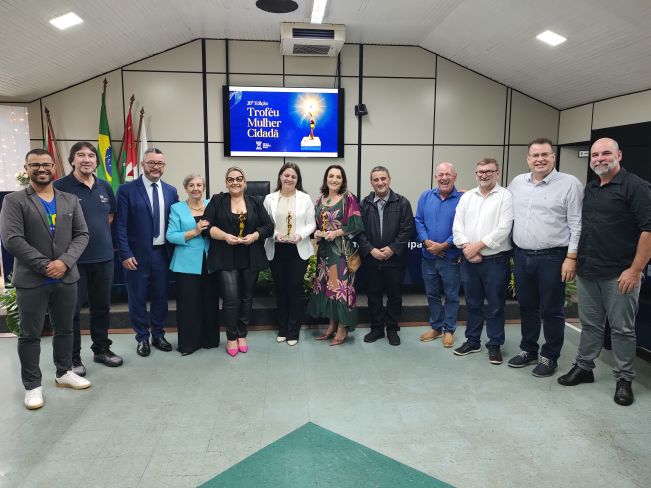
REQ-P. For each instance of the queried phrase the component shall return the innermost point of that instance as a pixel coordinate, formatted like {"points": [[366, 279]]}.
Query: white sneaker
{"points": [[281, 339], [72, 380], [292, 342], [34, 398]]}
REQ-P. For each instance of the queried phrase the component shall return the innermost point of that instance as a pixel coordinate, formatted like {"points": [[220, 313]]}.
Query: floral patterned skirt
{"points": [[333, 295]]}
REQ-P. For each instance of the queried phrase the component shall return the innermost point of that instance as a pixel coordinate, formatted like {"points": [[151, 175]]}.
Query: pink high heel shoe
{"points": [[242, 347], [232, 351]]}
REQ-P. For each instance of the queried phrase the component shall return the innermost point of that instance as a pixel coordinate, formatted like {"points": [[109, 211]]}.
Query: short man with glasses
{"points": [[434, 218], [389, 224], [46, 249], [482, 229], [546, 231], [96, 263], [143, 210], [614, 250]]}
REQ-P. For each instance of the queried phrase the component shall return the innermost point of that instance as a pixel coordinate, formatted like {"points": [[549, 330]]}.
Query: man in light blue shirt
{"points": [[434, 219], [546, 231]]}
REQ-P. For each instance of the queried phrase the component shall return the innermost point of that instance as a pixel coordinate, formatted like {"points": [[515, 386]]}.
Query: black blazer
{"points": [[218, 213]]}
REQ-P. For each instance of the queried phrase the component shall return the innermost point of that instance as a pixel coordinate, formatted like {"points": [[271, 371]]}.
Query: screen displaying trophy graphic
{"points": [[311, 106], [242, 221]]}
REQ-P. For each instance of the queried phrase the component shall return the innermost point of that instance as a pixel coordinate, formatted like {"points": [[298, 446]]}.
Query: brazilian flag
{"points": [[106, 168]]}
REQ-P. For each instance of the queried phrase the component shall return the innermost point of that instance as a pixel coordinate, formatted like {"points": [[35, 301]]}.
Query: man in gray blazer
{"points": [[45, 231]]}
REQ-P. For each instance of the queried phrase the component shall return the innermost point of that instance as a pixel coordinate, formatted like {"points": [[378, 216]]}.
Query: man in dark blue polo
{"points": [[96, 263]]}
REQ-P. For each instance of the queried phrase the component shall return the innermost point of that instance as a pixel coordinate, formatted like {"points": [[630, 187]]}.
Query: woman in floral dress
{"points": [[338, 219]]}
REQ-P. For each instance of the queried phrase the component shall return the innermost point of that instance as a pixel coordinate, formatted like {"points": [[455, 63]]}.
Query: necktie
{"points": [[381, 204], [156, 209]]}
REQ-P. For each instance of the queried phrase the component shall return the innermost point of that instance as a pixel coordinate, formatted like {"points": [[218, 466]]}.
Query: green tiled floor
{"points": [[315, 457], [172, 421]]}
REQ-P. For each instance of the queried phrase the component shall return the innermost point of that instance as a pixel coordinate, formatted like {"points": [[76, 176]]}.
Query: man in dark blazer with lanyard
{"points": [[143, 209]]}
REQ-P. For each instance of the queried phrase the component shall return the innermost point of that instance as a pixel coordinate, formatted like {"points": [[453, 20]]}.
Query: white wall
{"points": [[423, 109], [577, 123]]}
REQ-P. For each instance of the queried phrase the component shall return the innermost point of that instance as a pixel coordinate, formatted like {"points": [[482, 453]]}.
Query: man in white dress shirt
{"points": [[482, 227]]}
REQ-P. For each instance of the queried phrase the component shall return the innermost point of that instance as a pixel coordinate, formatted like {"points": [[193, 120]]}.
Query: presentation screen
{"points": [[294, 122]]}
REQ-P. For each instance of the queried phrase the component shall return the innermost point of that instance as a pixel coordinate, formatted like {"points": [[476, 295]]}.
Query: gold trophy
{"points": [[242, 220], [289, 224]]}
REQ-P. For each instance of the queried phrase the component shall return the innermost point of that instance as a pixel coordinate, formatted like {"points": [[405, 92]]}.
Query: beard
{"points": [[34, 179], [602, 169]]}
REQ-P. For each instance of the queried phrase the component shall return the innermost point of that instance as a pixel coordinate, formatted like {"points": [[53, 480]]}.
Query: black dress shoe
{"points": [[624, 393], [161, 344], [108, 357], [143, 348], [576, 376], [374, 335], [392, 337]]}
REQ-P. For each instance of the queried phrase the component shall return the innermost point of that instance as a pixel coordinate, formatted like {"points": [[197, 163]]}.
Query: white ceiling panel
{"points": [[608, 51]]}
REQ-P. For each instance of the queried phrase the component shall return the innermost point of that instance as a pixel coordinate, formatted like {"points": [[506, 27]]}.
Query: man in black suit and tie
{"points": [[143, 210], [44, 229]]}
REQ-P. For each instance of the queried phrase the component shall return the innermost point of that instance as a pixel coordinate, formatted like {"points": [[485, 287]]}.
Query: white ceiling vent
{"points": [[311, 39]]}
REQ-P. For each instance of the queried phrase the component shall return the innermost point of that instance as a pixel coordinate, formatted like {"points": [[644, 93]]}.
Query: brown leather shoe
{"points": [[430, 335], [448, 339]]}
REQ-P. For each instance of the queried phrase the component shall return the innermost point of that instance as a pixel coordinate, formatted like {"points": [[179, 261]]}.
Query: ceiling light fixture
{"points": [[277, 6], [551, 38], [318, 9], [65, 21]]}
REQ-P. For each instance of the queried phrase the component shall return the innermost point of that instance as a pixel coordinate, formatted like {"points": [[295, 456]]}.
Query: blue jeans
{"points": [[487, 279], [541, 295], [442, 275]]}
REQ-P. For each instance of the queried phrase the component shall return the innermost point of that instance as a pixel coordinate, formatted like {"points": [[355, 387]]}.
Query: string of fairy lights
{"points": [[14, 144]]}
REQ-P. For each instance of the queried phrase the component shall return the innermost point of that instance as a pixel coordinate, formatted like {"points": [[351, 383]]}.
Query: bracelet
{"points": [[570, 257]]}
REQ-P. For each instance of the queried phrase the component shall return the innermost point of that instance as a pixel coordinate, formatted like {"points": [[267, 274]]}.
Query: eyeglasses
{"points": [[230, 179], [488, 172], [544, 155], [155, 164], [37, 166]]}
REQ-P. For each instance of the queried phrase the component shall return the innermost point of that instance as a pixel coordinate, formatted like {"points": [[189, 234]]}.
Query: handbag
{"points": [[353, 261]]}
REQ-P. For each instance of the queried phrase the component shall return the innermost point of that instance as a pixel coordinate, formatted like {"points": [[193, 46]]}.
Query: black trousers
{"points": [[197, 310], [382, 279], [94, 288], [33, 303], [288, 270], [237, 288]]}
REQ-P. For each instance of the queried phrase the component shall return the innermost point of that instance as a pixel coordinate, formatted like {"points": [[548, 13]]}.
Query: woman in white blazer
{"points": [[288, 250]]}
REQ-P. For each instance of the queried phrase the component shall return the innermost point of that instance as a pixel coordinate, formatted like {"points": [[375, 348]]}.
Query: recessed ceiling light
{"points": [[551, 38], [318, 9], [65, 21]]}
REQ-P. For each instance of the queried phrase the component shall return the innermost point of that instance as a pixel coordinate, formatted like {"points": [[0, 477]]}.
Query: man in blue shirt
{"points": [[434, 219], [96, 263]]}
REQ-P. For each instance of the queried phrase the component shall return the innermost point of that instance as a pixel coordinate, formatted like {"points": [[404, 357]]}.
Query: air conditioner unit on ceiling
{"points": [[311, 39]]}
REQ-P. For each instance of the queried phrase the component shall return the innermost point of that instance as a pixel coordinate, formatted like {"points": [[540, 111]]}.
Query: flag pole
{"points": [[124, 135], [57, 156], [142, 114]]}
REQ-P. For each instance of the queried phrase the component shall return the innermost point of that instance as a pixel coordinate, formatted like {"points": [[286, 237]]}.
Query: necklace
{"points": [[194, 208]]}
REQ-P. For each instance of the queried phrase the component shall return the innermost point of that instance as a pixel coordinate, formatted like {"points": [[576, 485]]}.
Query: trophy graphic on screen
{"points": [[311, 106], [242, 221], [289, 224]]}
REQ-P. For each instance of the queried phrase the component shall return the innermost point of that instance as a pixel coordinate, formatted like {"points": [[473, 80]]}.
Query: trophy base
{"points": [[308, 144]]}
